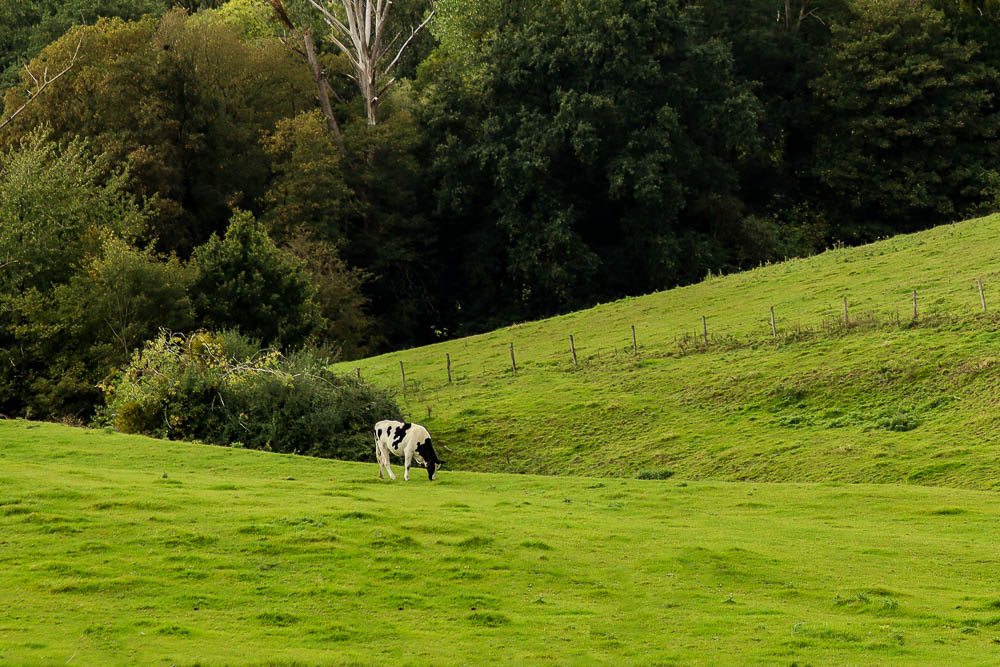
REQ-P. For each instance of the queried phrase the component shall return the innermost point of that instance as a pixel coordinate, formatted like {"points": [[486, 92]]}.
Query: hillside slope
{"points": [[885, 398]]}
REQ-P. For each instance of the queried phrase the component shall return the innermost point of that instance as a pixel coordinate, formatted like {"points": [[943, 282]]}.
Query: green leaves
{"points": [[221, 389], [54, 203], [909, 125], [599, 123], [184, 101], [244, 281]]}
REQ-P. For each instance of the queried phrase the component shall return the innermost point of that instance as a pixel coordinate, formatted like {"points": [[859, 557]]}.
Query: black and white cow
{"points": [[411, 441]]}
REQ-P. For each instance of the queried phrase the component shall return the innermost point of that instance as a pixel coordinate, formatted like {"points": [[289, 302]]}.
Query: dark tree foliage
{"points": [[75, 297], [780, 59], [605, 156], [975, 20], [392, 237], [244, 282], [908, 122], [28, 26]]}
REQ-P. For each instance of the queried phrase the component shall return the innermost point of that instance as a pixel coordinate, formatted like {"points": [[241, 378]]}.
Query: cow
{"points": [[411, 441]]}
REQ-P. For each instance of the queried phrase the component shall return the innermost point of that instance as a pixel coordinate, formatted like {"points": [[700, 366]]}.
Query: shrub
{"points": [[661, 473], [219, 388], [893, 420]]}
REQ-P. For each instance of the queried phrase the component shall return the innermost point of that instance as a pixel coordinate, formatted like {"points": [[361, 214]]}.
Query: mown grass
{"points": [[888, 398], [125, 550]]}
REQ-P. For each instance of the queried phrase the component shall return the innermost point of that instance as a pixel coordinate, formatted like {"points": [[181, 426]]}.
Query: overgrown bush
{"points": [[219, 388], [661, 473]]}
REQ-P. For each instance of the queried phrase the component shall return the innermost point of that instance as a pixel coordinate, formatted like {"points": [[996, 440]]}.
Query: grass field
{"points": [[833, 503], [885, 399], [124, 550]]}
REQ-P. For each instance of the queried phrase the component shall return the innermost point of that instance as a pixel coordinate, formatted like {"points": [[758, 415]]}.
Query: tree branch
{"points": [[42, 84], [407, 42]]}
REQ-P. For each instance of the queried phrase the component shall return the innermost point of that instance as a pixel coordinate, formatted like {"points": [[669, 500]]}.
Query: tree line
{"points": [[357, 176]]}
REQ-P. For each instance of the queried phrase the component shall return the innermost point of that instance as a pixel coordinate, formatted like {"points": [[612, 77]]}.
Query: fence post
{"points": [[704, 329], [635, 347], [513, 364], [847, 321], [359, 373], [914, 304], [982, 296], [403, 373], [572, 348], [774, 330], [448, 359]]}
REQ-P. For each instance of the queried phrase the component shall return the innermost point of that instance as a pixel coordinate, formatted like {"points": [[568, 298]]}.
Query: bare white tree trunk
{"points": [[358, 29]]}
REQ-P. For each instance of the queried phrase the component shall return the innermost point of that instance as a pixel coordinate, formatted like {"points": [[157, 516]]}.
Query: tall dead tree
{"points": [[358, 29], [301, 42], [793, 24]]}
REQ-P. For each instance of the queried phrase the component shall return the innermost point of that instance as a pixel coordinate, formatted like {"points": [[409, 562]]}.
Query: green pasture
{"points": [[125, 550], [885, 397], [822, 496]]}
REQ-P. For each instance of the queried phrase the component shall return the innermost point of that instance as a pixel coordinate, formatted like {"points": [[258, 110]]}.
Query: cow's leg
{"points": [[378, 457], [385, 459], [408, 457]]}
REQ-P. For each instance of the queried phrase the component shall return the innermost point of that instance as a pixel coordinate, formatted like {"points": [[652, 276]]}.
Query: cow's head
{"points": [[432, 468]]}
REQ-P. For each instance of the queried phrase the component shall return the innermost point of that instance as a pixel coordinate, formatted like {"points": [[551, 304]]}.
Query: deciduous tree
{"points": [[608, 134], [184, 102], [359, 28], [58, 208], [243, 281], [909, 121]]}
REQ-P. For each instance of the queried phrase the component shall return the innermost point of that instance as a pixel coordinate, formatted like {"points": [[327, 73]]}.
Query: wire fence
{"points": [[705, 340]]}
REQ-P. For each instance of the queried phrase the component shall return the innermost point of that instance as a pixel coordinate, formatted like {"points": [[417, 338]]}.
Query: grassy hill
{"points": [[126, 550], [883, 398]]}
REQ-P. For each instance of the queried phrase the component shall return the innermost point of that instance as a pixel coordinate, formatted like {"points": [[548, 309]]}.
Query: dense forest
{"points": [[348, 177]]}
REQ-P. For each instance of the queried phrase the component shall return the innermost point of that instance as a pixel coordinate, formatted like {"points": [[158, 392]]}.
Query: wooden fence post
{"points": [[914, 304], [847, 321], [448, 359], [774, 330], [403, 373], [513, 364], [572, 348], [359, 373], [982, 296], [704, 329], [635, 347]]}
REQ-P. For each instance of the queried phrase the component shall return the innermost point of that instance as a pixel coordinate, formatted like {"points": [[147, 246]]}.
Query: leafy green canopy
{"points": [[53, 202], [28, 26], [184, 101], [910, 121], [75, 297], [246, 282], [607, 135]]}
